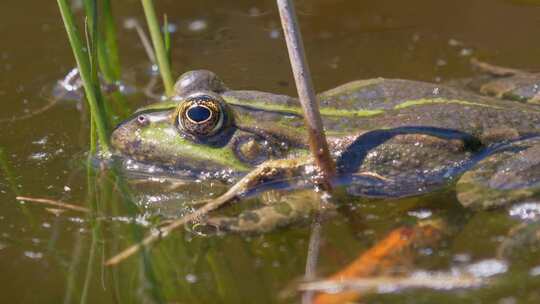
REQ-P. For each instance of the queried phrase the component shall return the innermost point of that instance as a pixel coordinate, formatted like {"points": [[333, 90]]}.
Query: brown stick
{"points": [[306, 94], [53, 203]]}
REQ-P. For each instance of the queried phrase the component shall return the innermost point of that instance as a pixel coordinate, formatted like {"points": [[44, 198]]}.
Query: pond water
{"points": [[48, 256]]}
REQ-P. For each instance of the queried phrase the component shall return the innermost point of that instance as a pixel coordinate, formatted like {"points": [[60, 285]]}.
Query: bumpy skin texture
{"points": [[411, 137], [510, 174]]}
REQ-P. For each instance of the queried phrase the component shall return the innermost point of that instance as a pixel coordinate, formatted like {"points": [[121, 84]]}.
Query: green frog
{"points": [[389, 138]]}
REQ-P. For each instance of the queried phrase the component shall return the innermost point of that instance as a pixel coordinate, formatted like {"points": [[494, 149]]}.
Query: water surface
{"points": [[48, 258]]}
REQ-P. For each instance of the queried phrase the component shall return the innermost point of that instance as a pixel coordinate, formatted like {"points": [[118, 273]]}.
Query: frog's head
{"points": [[201, 133]]}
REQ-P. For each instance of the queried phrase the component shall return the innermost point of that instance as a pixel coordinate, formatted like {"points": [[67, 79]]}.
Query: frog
{"points": [[390, 138]]}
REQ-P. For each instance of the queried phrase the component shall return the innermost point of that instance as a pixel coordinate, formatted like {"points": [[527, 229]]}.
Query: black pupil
{"points": [[198, 113]]}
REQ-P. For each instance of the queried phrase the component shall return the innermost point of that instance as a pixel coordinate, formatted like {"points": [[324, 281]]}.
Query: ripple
{"points": [[487, 268], [39, 156], [33, 255], [529, 211], [420, 214]]}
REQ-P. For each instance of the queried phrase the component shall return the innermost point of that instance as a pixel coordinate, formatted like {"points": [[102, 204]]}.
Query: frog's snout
{"points": [[121, 136], [116, 136]]}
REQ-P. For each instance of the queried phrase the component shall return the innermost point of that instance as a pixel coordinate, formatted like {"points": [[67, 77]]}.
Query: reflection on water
{"points": [[54, 256]]}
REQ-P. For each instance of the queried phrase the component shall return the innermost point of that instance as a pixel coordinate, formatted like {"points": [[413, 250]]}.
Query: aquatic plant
{"points": [[160, 47], [85, 57]]}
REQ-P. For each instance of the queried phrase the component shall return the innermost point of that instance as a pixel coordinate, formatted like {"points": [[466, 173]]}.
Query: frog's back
{"points": [[392, 103]]}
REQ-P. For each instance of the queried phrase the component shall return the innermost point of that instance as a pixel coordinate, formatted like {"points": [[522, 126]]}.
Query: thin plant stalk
{"points": [[312, 257], [89, 267], [93, 137], [103, 33], [91, 89], [92, 197], [109, 48], [7, 170], [133, 23], [73, 270], [312, 117], [159, 46], [95, 42], [167, 37], [110, 72]]}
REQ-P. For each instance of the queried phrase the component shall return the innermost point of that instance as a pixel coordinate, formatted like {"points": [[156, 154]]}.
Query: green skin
{"points": [[390, 138]]}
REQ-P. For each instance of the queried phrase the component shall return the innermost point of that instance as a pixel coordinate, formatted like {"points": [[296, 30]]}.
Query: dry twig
{"points": [[54, 203]]}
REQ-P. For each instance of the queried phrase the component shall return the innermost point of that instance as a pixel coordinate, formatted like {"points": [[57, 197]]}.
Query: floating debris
{"points": [[386, 284]]}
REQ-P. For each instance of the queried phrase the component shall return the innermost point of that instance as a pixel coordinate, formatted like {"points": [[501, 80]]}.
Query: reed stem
{"points": [[312, 117]]}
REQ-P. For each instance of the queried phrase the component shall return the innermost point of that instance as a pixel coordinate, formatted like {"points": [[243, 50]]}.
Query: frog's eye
{"points": [[201, 114], [198, 114]]}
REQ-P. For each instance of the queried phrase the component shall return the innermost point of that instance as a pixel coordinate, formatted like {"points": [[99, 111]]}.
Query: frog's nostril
{"points": [[142, 120]]}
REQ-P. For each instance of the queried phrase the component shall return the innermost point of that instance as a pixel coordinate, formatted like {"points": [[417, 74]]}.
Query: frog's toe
{"points": [[511, 174], [289, 209]]}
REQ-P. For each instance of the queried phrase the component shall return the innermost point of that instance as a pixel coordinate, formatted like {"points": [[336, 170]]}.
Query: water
{"points": [[50, 258]]}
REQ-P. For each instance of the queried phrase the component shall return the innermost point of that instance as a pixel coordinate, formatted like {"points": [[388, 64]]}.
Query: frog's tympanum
{"points": [[389, 138]]}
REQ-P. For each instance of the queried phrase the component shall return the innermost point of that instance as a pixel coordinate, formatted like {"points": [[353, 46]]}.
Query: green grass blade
{"points": [[103, 33], [91, 89], [159, 46], [167, 37], [92, 45], [110, 45], [98, 35], [105, 37]]}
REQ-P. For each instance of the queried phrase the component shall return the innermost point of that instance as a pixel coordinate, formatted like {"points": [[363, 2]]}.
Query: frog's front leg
{"points": [[289, 208], [509, 175], [274, 171]]}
